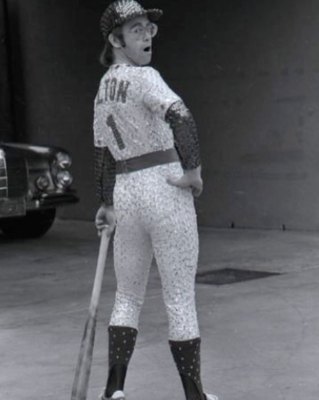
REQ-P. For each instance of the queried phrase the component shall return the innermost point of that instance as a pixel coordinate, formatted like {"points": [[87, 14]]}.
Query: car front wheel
{"points": [[34, 224]]}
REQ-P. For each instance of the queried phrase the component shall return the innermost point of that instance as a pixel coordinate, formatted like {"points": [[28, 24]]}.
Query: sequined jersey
{"points": [[135, 112]]}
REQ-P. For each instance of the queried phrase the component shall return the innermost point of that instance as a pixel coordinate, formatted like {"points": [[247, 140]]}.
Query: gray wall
{"points": [[248, 70]]}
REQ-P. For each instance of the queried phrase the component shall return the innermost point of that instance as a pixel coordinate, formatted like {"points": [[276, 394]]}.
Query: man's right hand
{"points": [[105, 219]]}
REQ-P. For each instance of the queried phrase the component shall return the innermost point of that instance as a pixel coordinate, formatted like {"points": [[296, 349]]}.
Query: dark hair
{"points": [[106, 56]]}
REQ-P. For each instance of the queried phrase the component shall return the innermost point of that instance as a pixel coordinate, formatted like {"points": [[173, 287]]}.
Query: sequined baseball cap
{"points": [[121, 11]]}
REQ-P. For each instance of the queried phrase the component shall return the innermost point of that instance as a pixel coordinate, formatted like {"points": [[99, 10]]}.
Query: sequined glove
{"points": [[105, 219], [191, 179]]}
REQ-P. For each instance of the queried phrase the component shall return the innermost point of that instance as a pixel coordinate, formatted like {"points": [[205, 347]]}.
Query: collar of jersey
{"points": [[122, 65]]}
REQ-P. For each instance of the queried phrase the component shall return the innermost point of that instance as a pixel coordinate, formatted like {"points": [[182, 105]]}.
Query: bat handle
{"points": [[97, 286]]}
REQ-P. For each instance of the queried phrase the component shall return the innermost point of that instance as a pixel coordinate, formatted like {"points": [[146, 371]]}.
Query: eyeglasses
{"points": [[139, 31]]}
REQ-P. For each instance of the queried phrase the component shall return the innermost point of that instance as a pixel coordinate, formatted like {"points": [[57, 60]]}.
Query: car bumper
{"points": [[15, 207], [52, 201], [12, 207]]}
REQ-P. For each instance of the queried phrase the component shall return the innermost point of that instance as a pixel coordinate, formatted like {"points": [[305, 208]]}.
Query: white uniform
{"points": [[153, 217]]}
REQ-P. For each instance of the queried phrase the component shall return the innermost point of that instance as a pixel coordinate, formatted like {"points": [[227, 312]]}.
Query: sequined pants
{"points": [[155, 219]]}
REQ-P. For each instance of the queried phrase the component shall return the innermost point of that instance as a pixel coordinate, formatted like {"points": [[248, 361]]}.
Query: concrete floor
{"points": [[260, 337]]}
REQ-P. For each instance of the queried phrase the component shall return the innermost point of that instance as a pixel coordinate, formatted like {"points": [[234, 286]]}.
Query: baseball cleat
{"points": [[211, 397], [118, 395]]}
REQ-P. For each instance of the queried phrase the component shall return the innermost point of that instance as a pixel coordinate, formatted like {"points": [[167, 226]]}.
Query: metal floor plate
{"points": [[227, 276]]}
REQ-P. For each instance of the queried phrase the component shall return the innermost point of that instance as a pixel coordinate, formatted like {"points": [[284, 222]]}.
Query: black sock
{"points": [[121, 345], [187, 358]]}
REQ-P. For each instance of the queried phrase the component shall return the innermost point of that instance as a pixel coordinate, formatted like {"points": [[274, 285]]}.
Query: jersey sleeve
{"points": [[99, 125], [104, 162], [157, 95]]}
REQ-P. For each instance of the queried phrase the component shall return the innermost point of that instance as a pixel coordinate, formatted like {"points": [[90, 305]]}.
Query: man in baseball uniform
{"points": [[148, 169]]}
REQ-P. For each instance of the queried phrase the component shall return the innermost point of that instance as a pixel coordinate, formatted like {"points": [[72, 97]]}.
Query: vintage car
{"points": [[34, 181]]}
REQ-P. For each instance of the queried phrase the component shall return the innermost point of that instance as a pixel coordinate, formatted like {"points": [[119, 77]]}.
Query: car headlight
{"points": [[64, 179], [42, 183], [63, 160]]}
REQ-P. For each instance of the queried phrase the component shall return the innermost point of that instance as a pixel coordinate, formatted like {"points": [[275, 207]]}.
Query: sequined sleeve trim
{"points": [[184, 129], [104, 168]]}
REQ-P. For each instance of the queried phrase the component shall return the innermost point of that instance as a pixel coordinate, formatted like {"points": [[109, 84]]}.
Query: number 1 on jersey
{"points": [[112, 124]]}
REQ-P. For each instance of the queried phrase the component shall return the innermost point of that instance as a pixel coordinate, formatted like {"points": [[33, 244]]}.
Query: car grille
{"points": [[3, 176], [13, 182]]}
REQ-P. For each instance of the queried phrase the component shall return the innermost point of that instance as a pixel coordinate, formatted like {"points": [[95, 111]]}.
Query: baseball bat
{"points": [[83, 366]]}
